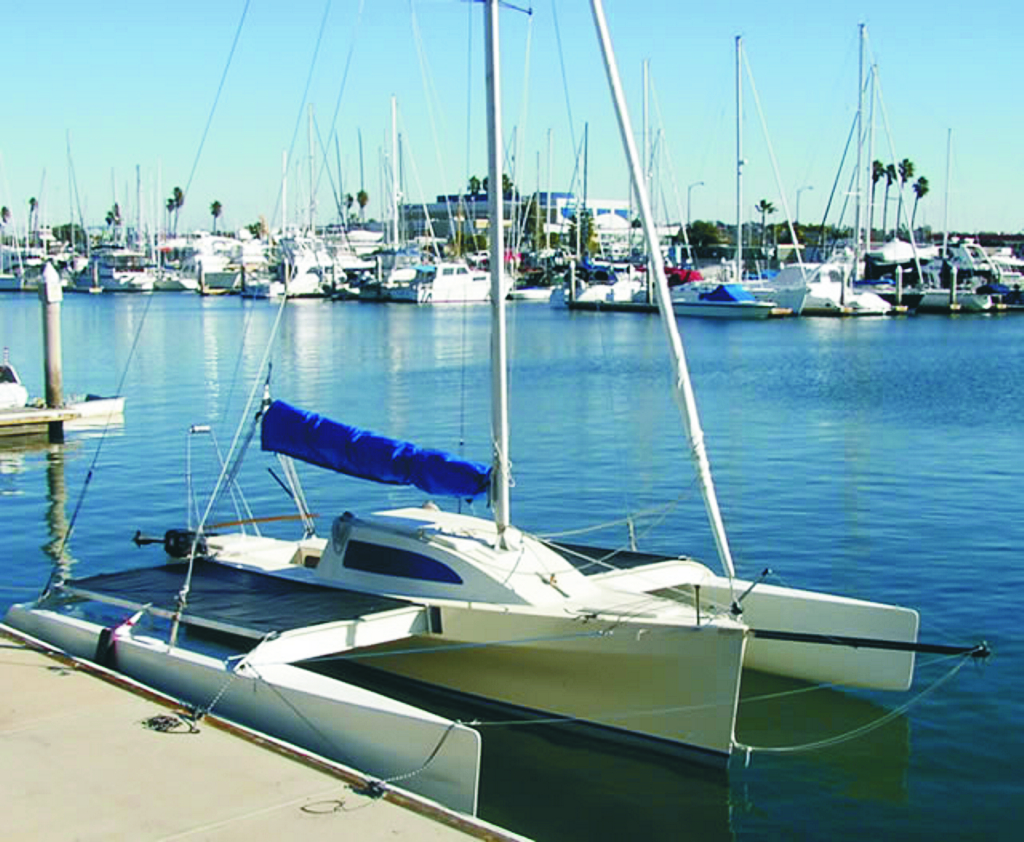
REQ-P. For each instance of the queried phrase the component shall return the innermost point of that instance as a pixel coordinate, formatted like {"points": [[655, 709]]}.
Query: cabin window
{"points": [[390, 561]]}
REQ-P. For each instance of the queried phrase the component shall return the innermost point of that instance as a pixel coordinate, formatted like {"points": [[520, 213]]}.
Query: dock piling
{"points": [[51, 295]]}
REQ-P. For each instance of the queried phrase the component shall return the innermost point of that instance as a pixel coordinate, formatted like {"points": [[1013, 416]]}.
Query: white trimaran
{"points": [[650, 651]]}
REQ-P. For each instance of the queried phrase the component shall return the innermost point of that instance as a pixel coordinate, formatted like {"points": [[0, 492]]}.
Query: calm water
{"points": [[878, 458]]}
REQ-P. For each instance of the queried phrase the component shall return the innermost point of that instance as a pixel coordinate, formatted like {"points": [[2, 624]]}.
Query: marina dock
{"points": [[94, 755], [30, 421]]}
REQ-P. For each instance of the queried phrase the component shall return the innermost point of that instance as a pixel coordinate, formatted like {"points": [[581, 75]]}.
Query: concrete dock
{"points": [[85, 758]]}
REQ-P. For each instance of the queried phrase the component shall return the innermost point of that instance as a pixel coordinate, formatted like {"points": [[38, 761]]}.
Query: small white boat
{"points": [[967, 300], [13, 395], [720, 301], [95, 409]]}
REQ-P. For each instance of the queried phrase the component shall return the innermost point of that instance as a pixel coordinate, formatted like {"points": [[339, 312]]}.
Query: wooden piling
{"points": [[51, 295]]}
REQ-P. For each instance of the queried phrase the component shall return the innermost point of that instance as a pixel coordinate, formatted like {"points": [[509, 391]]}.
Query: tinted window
{"points": [[388, 561]]}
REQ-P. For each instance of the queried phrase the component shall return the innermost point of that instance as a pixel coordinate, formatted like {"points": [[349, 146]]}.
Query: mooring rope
{"points": [[860, 731]]}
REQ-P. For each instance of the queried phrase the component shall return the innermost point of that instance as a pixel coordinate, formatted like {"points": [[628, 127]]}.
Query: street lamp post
{"points": [[689, 192], [800, 190]]}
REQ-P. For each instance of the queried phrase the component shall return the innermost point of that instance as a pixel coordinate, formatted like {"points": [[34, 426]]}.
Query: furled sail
{"points": [[360, 453]]}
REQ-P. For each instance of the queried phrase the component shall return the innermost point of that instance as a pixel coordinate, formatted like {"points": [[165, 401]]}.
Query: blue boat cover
{"points": [[727, 292], [361, 453]]}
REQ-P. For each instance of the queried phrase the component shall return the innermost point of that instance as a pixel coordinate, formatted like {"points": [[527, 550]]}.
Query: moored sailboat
{"points": [[643, 648]]}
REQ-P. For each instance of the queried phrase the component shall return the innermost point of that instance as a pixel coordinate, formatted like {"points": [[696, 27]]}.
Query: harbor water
{"points": [[880, 458]]}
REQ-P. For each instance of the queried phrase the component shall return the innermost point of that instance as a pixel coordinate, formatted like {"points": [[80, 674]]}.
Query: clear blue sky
{"points": [[132, 84]]}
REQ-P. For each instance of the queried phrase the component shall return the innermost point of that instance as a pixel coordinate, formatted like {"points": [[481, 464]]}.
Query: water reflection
{"points": [[872, 767], [19, 457]]}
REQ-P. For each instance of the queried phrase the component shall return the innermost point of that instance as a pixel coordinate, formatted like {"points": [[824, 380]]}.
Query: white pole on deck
{"points": [[683, 388]]}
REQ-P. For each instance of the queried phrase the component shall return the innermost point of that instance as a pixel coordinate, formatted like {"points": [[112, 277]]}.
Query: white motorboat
{"points": [[446, 282], [828, 288], [122, 270], [308, 266]]}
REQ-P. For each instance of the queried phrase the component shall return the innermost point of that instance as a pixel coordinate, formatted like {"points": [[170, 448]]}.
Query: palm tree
{"points": [[349, 201], [170, 210], [5, 216], [33, 211], [508, 187], [179, 200], [890, 177], [363, 198], [920, 191], [474, 186], [114, 219], [906, 173], [877, 174], [215, 211], [764, 207]]}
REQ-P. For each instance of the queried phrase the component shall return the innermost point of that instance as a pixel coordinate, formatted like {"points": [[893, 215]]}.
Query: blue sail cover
{"points": [[728, 293], [360, 453]]}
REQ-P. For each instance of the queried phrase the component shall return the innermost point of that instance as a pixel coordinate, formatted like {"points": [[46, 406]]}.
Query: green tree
{"points": [[704, 234], [508, 187], [890, 177], [363, 198], [5, 218], [33, 213], [178, 197], [877, 174], [474, 186], [114, 221], [905, 170], [921, 188], [349, 201], [216, 209], [533, 222], [70, 233], [589, 243], [764, 207]]}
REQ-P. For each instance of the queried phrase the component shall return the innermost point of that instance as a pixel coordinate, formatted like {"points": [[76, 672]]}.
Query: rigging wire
{"points": [[341, 91], [216, 99], [99, 445], [771, 157], [432, 101], [302, 106], [565, 78], [227, 473]]}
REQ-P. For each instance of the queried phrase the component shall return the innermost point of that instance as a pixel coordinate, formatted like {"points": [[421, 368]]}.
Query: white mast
{"points": [[312, 195], [683, 388], [284, 192], [495, 209], [945, 200], [859, 181], [395, 186], [547, 204], [739, 158], [138, 205]]}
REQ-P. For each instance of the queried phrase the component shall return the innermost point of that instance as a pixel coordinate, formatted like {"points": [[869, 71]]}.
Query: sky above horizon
{"points": [[108, 102]]}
